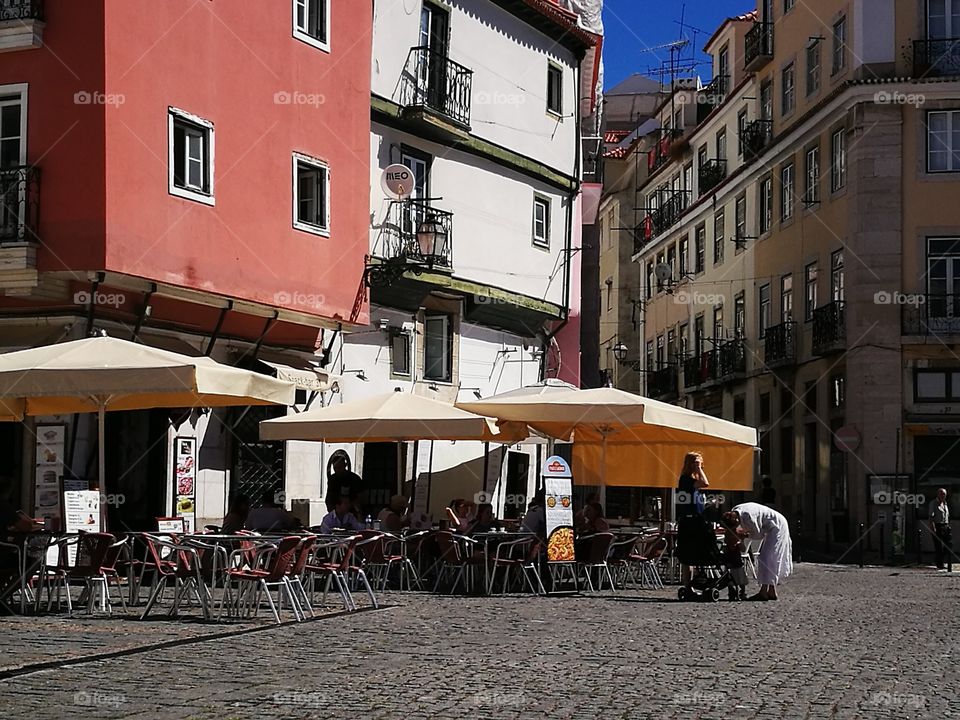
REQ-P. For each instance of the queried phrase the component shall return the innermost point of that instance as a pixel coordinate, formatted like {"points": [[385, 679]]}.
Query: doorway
{"points": [[518, 468], [382, 463]]}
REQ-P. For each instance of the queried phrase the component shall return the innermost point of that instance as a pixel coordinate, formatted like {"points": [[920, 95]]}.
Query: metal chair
{"points": [[596, 548], [253, 582]]}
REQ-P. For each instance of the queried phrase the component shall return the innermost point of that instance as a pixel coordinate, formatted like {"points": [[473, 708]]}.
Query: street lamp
{"points": [[430, 236], [620, 351]]}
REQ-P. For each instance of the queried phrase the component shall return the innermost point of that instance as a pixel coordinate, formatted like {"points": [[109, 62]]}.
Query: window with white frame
{"points": [[787, 90], [766, 204], [400, 353], [787, 190], [13, 126], [311, 22], [438, 348], [838, 160], [839, 45], [554, 89], [311, 195], [719, 235], [811, 188], [740, 221], [191, 156], [813, 67], [810, 291], [763, 306], [541, 221], [943, 141]]}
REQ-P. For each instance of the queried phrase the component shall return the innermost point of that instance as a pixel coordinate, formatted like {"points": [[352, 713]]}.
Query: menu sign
{"points": [[49, 470], [185, 478], [558, 487], [81, 512]]}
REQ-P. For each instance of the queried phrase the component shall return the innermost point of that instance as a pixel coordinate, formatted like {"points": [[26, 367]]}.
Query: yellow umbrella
{"points": [[618, 434], [101, 374]]}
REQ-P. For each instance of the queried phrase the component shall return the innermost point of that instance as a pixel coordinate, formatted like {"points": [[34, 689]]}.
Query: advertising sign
{"points": [[185, 478], [81, 513], [558, 493], [49, 470]]}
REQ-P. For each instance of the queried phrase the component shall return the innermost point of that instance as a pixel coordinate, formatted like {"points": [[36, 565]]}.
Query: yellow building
{"points": [[799, 255]]}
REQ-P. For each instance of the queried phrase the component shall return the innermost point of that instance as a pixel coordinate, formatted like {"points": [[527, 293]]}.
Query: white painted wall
{"points": [[509, 62]]}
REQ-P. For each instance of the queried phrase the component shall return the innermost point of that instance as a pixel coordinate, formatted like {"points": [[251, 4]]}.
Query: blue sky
{"points": [[633, 25]]}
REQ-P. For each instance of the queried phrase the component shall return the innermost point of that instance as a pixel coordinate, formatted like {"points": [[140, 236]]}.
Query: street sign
{"points": [[847, 438], [397, 181]]}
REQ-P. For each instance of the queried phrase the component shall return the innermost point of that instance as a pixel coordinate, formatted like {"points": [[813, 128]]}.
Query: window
{"points": [[541, 221], [943, 19], [786, 298], [741, 126], [936, 385], [838, 391], [740, 314], [764, 408], [650, 355], [311, 22], [810, 291], [766, 204], [723, 68], [739, 409], [943, 282], [741, 221], [811, 187], [311, 195], [718, 323], [839, 45], [838, 160], [788, 5], [718, 232], [836, 276], [766, 100], [672, 261], [400, 353], [722, 145], [683, 347], [684, 251], [437, 348], [698, 335], [660, 361], [671, 346], [813, 67], [191, 157], [687, 184], [554, 89], [661, 260], [943, 141], [13, 126], [764, 306], [788, 97], [650, 280], [787, 190], [700, 248], [786, 449], [810, 396]]}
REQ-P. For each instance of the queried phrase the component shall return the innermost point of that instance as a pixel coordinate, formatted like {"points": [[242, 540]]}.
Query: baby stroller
{"points": [[697, 547]]}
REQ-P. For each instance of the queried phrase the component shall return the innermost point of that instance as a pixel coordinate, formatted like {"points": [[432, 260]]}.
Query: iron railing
{"points": [[700, 369], [829, 327], [754, 137], [662, 383], [21, 10], [731, 359], [659, 154], [668, 213], [405, 220], [711, 174], [433, 81], [936, 58], [780, 344], [758, 46], [19, 204], [931, 314]]}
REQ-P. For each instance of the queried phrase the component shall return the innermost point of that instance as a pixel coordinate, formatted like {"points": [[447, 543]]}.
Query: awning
{"points": [[304, 374]]}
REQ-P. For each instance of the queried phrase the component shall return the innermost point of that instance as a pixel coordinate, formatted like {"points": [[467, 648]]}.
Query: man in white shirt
{"points": [[940, 525], [340, 518]]}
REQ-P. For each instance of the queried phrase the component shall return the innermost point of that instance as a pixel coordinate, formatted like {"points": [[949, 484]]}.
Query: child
{"points": [[733, 558]]}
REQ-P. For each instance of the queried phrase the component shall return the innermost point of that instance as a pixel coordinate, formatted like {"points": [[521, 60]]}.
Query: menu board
{"points": [[558, 493], [185, 478], [81, 512], [170, 526], [49, 470]]}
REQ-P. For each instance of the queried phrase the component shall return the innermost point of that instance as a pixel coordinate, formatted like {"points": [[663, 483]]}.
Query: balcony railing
{"points": [[407, 222], [19, 204], [932, 315], [829, 328], [434, 82], [780, 344], [711, 174], [700, 369], [659, 154], [936, 58], [731, 359], [21, 10], [758, 46], [663, 383], [754, 137]]}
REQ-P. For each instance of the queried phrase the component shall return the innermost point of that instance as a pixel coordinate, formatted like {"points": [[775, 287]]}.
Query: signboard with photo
{"points": [[558, 494], [81, 512], [185, 478], [49, 470]]}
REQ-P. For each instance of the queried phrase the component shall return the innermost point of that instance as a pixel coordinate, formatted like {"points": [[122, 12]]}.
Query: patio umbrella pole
{"points": [[101, 460]]}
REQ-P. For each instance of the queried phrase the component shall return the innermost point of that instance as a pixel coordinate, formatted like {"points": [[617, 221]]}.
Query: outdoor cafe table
{"points": [[490, 541], [30, 549]]}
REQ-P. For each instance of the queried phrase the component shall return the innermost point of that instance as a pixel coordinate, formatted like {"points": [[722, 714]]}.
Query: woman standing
{"points": [[692, 528], [759, 522]]}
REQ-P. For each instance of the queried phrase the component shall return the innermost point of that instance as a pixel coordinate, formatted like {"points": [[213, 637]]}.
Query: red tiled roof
{"points": [[751, 16], [565, 18], [618, 153], [615, 136]]}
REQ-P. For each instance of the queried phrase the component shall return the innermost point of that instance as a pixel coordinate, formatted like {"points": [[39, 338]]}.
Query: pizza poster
{"points": [[558, 494], [185, 480]]}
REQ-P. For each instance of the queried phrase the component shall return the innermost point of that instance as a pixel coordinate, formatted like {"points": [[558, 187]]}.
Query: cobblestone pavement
{"points": [[841, 643]]}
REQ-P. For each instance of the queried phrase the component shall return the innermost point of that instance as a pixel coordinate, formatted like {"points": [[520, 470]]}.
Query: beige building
{"points": [[799, 255]]}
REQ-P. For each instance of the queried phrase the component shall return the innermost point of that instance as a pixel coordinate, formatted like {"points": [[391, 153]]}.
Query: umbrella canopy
{"points": [[390, 417], [627, 439]]}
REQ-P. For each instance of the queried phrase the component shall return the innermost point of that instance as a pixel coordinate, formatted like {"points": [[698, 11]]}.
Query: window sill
{"points": [[312, 41], [194, 195], [553, 114], [540, 245], [311, 229]]}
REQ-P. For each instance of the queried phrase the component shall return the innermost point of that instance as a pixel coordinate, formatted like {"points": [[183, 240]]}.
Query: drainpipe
{"points": [[568, 241], [94, 288]]}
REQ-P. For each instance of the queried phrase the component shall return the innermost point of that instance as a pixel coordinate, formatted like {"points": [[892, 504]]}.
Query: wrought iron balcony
{"points": [[931, 315], [711, 174], [663, 383], [731, 359], [829, 328], [936, 58], [754, 137], [21, 10], [414, 236], [19, 204], [659, 154], [715, 92], [700, 369], [780, 344], [758, 46], [433, 82]]}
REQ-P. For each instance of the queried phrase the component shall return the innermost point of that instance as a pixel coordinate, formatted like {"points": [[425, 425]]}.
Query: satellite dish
{"points": [[663, 272], [397, 181]]}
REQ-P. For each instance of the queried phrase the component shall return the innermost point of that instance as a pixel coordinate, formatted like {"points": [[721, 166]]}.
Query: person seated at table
{"points": [[16, 521], [458, 515], [535, 519], [236, 516], [593, 521], [394, 517], [580, 517], [270, 516], [485, 522], [340, 518]]}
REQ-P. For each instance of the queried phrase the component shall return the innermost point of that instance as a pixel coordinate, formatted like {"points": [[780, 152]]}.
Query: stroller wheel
{"points": [[714, 595], [683, 594]]}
